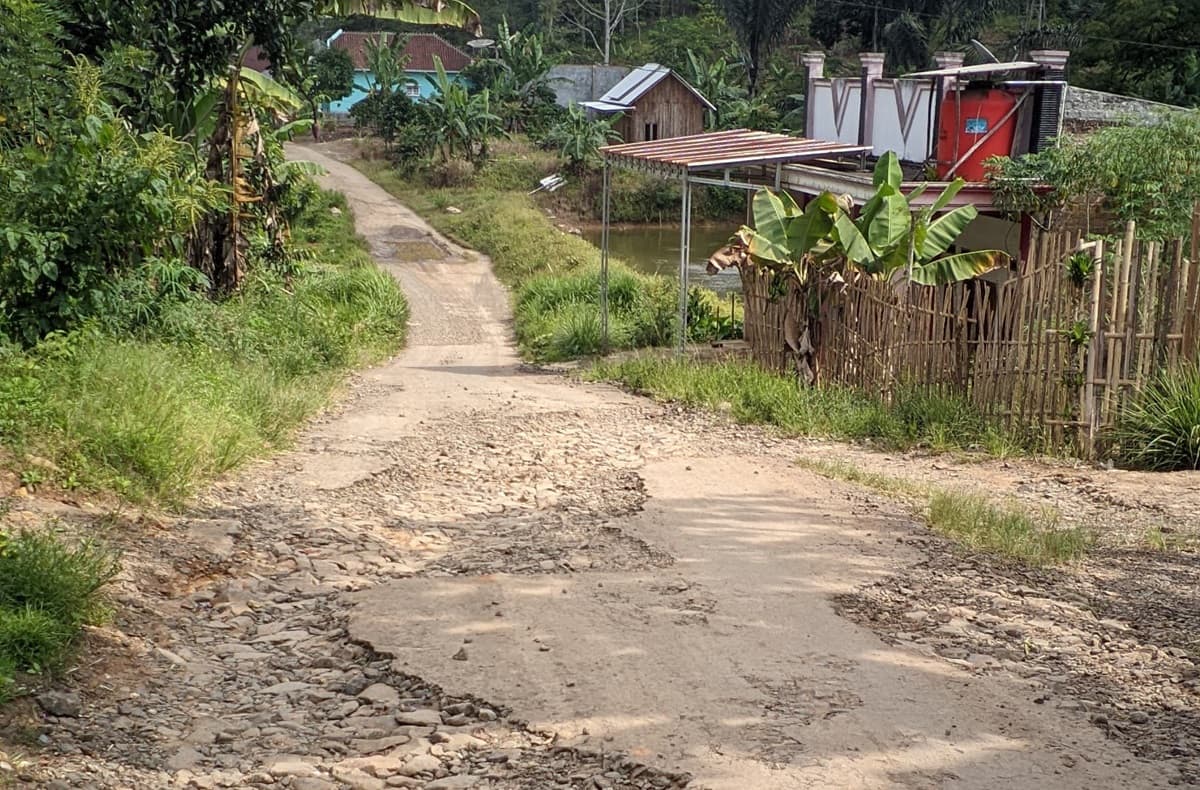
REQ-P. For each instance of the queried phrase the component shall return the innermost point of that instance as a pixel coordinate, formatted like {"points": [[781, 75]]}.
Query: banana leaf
{"points": [[940, 233], [955, 268]]}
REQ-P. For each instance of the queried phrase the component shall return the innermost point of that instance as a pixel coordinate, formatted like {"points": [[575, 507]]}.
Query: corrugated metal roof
{"points": [[982, 68], [729, 149], [637, 83]]}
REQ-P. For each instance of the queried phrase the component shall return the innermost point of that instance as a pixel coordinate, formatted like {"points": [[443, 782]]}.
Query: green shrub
{"points": [[48, 591], [8, 679], [1159, 429]]}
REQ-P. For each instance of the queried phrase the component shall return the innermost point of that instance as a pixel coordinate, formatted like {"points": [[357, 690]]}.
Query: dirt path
{"points": [[474, 575]]}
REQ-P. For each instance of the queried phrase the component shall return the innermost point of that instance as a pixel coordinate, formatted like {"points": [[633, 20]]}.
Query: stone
{"points": [[1139, 717], [357, 779], [425, 717], [60, 703], [292, 767], [420, 764], [461, 655], [453, 210], [379, 694], [289, 687]]}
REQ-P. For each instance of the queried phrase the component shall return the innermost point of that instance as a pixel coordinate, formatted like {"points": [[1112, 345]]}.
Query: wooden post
{"points": [[1088, 413]]}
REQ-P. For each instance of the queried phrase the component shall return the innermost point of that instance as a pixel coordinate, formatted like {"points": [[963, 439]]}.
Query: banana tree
{"points": [[825, 240], [891, 241], [887, 240], [235, 149]]}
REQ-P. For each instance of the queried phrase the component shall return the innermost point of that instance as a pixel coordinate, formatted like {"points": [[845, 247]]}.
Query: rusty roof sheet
{"points": [[728, 149]]}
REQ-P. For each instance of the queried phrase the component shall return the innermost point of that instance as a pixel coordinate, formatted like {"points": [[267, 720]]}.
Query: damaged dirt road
{"points": [[476, 575]]}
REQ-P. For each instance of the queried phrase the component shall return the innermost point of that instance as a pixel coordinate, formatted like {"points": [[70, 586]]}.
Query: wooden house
{"points": [[654, 103]]}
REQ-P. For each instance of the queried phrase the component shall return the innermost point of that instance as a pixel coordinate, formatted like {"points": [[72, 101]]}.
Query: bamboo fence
{"points": [[1039, 349]]}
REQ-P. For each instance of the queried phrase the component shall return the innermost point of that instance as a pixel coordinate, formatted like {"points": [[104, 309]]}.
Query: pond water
{"points": [[654, 249]]}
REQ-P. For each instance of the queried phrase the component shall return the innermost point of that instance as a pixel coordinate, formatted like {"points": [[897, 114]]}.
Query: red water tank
{"points": [[967, 118]]}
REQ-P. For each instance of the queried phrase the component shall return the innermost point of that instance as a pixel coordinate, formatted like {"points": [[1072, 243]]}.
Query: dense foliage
{"points": [[1139, 47], [1147, 173]]}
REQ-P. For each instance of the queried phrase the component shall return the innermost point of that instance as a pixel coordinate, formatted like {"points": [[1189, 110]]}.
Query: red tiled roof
{"points": [[256, 58], [420, 48]]}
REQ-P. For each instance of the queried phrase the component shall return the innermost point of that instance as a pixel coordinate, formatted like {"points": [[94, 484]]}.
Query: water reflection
{"points": [[654, 249]]}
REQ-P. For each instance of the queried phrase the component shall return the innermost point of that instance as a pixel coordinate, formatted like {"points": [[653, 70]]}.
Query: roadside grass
{"points": [[752, 395], [50, 589], [1007, 530], [554, 276], [884, 484], [1164, 540], [201, 386], [976, 522]]}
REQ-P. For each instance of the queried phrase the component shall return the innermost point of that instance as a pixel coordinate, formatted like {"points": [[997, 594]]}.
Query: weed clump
{"points": [[49, 590], [1159, 430], [1008, 531]]}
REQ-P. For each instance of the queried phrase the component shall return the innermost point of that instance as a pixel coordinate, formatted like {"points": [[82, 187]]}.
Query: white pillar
{"points": [[872, 69], [814, 63]]}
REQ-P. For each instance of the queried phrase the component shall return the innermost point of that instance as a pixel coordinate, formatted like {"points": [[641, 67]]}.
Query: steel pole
{"points": [[684, 243], [604, 263]]}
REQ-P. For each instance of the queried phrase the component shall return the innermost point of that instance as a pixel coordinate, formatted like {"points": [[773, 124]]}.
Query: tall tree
{"points": [[599, 20], [759, 26], [908, 31]]}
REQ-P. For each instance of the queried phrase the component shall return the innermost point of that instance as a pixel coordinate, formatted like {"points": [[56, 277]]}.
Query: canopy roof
{"points": [[982, 68], [723, 151]]}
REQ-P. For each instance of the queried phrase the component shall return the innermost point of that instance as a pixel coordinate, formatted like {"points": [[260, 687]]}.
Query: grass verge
{"points": [[200, 386], [554, 276], [754, 396], [49, 590], [974, 521]]}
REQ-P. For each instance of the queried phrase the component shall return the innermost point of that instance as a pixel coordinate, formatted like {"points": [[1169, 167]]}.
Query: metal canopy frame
{"points": [[718, 159]]}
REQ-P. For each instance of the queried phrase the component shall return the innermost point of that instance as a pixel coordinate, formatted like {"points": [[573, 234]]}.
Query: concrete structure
{"points": [[576, 84], [419, 50], [1086, 109]]}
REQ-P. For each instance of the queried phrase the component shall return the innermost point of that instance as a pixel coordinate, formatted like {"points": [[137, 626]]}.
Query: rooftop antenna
{"points": [[984, 52]]}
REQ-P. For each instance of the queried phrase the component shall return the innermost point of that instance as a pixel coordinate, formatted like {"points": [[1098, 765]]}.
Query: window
{"points": [[651, 132], [412, 90]]}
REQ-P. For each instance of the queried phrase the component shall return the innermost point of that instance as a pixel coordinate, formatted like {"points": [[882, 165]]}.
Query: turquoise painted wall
{"points": [[362, 86]]}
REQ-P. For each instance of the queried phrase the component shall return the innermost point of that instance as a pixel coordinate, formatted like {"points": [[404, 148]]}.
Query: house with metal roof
{"points": [[654, 103]]}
